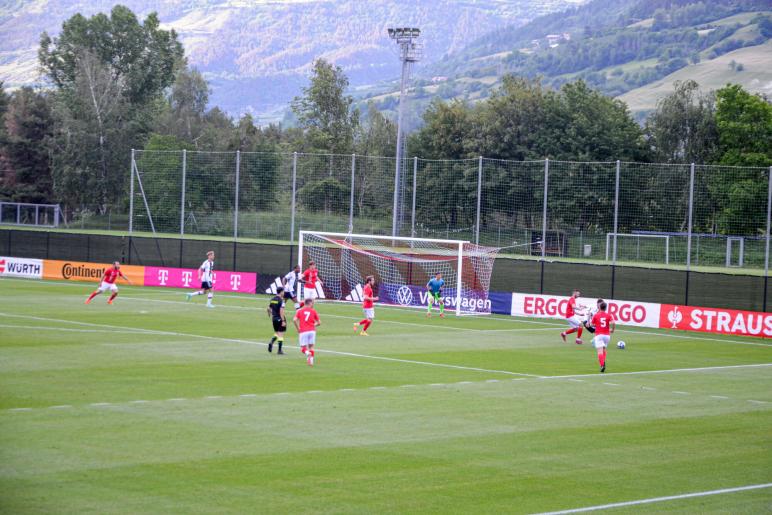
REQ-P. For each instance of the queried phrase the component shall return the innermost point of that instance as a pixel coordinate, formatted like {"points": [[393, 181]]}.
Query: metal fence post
{"points": [[689, 234], [182, 195], [131, 194], [236, 206], [544, 225], [294, 192], [616, 229], [412, 216], [479, 199], [351, 200], [766, 243]]}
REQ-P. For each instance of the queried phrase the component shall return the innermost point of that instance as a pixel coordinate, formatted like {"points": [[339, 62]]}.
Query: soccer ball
{"points": [[621, 345]]}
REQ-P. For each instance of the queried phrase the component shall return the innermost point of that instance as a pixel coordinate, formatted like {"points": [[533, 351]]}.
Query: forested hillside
{"points": [[613, 45]]}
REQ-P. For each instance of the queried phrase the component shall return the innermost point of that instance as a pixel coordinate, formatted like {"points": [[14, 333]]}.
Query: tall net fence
{"points": [[652, 214]]}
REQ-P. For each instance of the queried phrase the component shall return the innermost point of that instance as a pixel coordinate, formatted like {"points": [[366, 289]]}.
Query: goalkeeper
{"points": [[435, 294]]}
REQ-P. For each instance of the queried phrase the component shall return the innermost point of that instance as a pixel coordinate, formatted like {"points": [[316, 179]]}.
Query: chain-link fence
{"points": [[656, 215]]}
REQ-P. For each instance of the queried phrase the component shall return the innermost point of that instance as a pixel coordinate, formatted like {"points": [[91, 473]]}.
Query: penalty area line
{"points": [[659, 499]]}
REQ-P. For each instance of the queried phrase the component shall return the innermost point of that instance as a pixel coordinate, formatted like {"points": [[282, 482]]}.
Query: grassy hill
{"points": [[622, 48], [756, 75]]}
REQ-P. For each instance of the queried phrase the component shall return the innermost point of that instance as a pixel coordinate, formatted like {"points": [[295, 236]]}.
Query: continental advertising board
{"points": [[92, 272]]}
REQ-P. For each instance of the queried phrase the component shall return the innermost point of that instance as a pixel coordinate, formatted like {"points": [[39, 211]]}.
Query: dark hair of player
{"points": [[308, 302], [600, 301], [369, 278], [603, 306], [279, 290], [311, 263]]}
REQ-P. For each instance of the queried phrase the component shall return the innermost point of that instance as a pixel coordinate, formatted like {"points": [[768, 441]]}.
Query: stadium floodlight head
{"points": [[409, 52]]}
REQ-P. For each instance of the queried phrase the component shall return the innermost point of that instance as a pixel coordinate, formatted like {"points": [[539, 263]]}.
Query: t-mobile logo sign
{"points": [[187, 278], [235, 282], [163, 276]]}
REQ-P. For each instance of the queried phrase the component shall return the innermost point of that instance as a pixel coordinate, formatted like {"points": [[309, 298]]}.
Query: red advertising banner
{"points": [[716, 320], [241, 282]]}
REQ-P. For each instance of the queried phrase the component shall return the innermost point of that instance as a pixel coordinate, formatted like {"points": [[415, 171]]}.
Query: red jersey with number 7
{"points": [[307, 318], [602, 322], [310, 276]]}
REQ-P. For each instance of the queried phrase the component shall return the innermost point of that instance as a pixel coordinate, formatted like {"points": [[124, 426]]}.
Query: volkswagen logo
{"points": [[404, 296]]}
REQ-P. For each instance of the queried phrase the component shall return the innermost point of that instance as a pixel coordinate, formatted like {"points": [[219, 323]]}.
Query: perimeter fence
{"points": [[659, 215]]}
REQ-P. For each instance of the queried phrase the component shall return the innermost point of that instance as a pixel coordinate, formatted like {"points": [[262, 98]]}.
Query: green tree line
{"points": [[117, 83]]}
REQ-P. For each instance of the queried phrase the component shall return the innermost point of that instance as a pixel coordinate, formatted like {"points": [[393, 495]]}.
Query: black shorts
{"points": [[206, 285], [279, 325], [289, 295]]}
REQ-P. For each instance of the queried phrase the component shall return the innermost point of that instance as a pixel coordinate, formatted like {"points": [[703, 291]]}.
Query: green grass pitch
{"points": [[157, 405]]}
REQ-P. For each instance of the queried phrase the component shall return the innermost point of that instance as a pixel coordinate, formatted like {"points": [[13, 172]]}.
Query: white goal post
{"points": [[401, 267], [630, 247]]}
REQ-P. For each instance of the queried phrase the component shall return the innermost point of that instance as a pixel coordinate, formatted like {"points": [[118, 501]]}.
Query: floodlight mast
{"points": [[409, 52]]}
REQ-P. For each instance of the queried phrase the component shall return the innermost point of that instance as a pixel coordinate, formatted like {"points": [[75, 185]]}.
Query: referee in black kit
{"points": [[276, 312]]}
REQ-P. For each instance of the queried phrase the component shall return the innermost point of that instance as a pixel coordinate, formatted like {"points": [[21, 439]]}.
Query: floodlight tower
{"points": [[409, 52]]}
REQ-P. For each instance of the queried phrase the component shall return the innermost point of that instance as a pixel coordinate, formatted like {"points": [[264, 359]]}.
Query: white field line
{"points": [[39, 328], [659, 499], [494, 317], [399, 360], [248, 342]]}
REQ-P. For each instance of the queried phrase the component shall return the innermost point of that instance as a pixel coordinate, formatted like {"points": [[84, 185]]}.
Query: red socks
{"points": [[113, 296], [602, 358], [367, 325], [94, 294], [572, 331], [580, 332]]}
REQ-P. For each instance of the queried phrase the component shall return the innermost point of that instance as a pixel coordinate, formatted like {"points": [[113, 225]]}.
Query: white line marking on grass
{"points": [[346, 390], [213, 397], [407, 386], [61, 406], [722, 397], [99, 404], [175, 399], [680, 393], [377, 387], [611, 384], [659, 499], [648, 388], [19, 409], [492, 381], [39, 328], [139, 401], [314, 391], [756, 402], [576, 380], [248, 395], [464, 382], [664, 371]]}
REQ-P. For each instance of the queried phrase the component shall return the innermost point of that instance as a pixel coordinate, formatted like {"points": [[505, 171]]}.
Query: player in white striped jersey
{"points": [[206, 276], [289, 282]]}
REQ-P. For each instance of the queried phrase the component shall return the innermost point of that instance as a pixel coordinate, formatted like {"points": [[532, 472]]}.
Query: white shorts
{"points": [[601, 340], [369, 313], [107, 286], [309, 293], [307, 339], [574, 321]]}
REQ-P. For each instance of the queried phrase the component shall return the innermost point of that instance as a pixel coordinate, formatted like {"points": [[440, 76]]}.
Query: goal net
{"points": [[401, 268]]}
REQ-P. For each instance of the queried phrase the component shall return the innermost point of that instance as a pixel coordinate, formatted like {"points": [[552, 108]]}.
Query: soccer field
{"points": [[157, 405]]}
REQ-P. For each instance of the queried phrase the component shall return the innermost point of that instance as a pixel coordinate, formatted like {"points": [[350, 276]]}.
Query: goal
{"points": [[401, 267], [650, 248]]}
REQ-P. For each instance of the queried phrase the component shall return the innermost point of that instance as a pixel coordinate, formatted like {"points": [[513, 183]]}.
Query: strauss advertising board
{"points": [[716, 320]]}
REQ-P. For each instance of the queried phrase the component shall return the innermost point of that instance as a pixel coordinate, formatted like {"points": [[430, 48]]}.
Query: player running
{"points": [[435, 294], [276, 312], [604, 324], [109, 276], [573, 310], [206, 276], [288, 282], [367, 305], [306, 321], [310, 279]]}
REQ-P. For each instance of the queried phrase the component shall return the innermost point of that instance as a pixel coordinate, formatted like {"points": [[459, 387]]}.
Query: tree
{"points": [[744, 123], [24, 153], [325, 112], [682, 129], [109, 73], [186, 105]]}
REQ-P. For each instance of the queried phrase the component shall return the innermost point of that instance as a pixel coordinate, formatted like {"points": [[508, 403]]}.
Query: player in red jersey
{"points": [[604, 325], [573, 310], [306, 321], [310, 280], [109, 277], [367, 305]]}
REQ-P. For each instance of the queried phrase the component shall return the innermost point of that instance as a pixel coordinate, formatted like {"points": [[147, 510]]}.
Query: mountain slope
{"points": [[257, 54]]}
